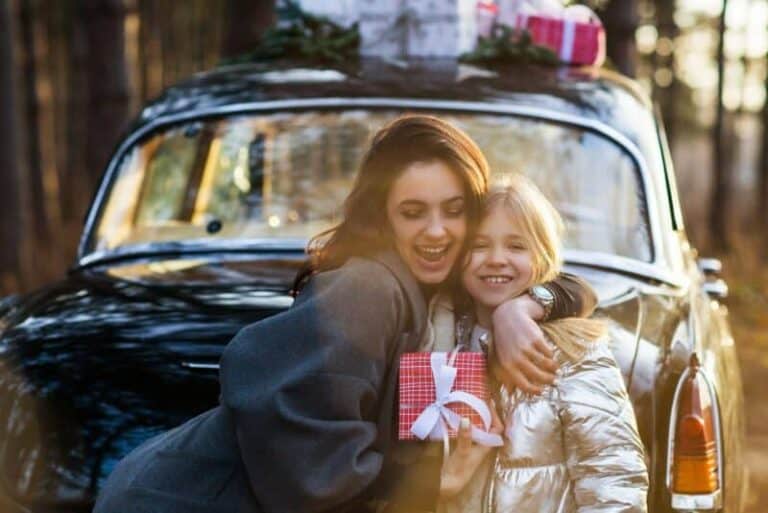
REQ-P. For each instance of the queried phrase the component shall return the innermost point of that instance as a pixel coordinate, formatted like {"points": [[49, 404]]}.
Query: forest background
{"points": [[73, 73]]}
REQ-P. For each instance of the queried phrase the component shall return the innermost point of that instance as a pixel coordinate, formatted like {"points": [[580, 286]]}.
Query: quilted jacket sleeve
{"points": [[304, 388], [605, 455]]}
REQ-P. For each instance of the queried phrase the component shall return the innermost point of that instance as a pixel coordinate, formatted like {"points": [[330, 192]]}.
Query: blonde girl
{"points": [[573, 448]]}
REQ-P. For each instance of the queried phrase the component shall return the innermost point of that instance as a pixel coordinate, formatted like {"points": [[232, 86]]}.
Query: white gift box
{"points": [[417, 28], [379, 37], [440, 9], [382, 34], [442, 28], [442, 38], [373, 8]]}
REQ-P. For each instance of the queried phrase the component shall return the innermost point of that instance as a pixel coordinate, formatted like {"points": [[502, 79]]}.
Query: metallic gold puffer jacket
{"points": [[574, 448]]}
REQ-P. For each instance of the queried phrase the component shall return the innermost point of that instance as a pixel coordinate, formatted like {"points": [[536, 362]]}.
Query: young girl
{"points": [[575, 447]]}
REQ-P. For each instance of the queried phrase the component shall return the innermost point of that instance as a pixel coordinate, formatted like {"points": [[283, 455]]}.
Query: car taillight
{"points": [[695, 450]]}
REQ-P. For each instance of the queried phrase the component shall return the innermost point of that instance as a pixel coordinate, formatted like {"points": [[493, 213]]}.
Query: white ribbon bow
{"points": [[434, 421]]}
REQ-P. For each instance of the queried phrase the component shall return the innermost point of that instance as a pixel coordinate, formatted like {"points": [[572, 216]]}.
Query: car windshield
{"points": [[282, 178]]}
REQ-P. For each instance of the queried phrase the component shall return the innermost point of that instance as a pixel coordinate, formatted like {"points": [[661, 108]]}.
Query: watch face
{"points": [[542, 293]]}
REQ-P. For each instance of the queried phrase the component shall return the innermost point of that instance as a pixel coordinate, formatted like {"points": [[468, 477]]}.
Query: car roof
{"points": [[595, 94]]}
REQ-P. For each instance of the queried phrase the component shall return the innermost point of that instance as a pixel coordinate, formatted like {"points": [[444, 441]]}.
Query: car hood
{"points": [[93, 365]]}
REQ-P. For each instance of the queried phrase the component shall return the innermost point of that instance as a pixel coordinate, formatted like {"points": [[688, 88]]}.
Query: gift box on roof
{"points": [[417, 28], [383, 28], [419, 387], [574, 42], [487, 12], [441, 28]]}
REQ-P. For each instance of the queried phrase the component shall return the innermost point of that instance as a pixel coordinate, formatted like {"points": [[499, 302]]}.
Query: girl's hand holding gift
{"points": [[465, 459]]}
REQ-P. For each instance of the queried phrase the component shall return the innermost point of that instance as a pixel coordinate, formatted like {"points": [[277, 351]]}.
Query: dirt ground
{"points": [[748, 307]]}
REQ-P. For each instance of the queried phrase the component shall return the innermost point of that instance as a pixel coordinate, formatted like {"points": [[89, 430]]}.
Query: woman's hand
{"points": [[523, 359], [465, 458]]}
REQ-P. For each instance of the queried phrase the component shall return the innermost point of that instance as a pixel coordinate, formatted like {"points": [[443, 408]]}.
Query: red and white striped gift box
{"points": [[574, 42], [417, 388]]}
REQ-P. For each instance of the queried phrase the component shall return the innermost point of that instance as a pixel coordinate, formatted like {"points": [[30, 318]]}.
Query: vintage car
{"points": [[202, 219]]}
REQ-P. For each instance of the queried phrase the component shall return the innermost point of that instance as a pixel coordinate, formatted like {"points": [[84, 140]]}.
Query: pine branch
{"points": [[302, 35], [508, 45]]}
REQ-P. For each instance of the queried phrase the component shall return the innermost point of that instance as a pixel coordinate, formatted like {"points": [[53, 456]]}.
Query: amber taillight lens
{"points": [[695, 449]]}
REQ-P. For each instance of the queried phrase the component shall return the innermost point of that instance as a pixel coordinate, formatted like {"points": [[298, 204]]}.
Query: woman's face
{"points": [[499, 261], [427, 215]]}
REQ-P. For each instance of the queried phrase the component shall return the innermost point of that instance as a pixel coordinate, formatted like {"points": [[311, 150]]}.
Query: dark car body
{"points": [[127, 345]]}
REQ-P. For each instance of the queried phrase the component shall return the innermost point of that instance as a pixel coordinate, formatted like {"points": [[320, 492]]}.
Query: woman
{"points": [[306, 415]]}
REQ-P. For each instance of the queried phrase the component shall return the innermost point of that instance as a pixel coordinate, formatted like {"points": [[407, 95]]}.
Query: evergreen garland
{"points": [[300, 35], [508, 45], [305, 36]]}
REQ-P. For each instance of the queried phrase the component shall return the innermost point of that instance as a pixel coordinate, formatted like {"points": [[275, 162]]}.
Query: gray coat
{"points": [[306, 417]]}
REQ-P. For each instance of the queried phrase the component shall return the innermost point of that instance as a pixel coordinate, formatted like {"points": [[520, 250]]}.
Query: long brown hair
{"points": [[364, 229]]}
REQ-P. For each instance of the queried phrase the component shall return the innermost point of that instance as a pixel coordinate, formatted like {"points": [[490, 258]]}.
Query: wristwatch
{"points": [[543, 296]]}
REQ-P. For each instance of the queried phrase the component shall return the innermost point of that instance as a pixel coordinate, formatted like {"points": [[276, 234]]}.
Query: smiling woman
{"points": [[425, 210]]}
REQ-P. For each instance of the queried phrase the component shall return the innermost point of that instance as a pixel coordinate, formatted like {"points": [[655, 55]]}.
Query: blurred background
{"points": [[73, 73]]}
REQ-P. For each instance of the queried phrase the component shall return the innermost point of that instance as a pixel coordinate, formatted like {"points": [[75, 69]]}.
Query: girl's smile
{"points": [[499, 265]]}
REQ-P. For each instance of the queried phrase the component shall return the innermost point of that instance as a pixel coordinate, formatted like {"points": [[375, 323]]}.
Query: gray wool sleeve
{"points": [[303, 388]]}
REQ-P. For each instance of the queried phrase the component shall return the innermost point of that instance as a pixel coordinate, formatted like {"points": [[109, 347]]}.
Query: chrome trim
{"points": [[195, 246], [716, 289], [714, 498], [200, 366], [710, 265], [627, 295], [393, 103], [624, 264], [691, 503], [592, 259], [669, 170]]}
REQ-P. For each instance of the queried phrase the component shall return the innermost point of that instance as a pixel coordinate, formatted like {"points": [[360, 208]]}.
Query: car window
{"points": [[285, 176]]}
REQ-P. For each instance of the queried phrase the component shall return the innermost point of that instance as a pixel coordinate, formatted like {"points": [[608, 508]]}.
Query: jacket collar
{"points": [[392, 261]]}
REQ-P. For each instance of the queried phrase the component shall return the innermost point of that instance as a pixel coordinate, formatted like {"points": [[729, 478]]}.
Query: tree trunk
{"points": [[74, 179], [34, 171], [10, 157], [108, 87], [620, 19], [245, 21], [667, 96], [762, 179], [718, 205]]}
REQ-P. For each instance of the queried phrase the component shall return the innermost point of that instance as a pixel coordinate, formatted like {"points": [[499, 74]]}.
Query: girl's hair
{"points": [[364, 229], [542, 228]]}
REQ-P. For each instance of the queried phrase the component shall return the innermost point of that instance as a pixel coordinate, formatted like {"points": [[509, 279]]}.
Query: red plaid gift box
{"points": [[575, 42], [418, 391]]}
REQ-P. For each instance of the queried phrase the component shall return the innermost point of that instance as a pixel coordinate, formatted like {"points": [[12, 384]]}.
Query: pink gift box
{"points": [[417, 388], [574, 42]]}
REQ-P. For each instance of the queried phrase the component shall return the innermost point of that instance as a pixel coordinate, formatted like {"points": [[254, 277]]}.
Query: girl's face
{"points": [[427, 215], [499, 261]]}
